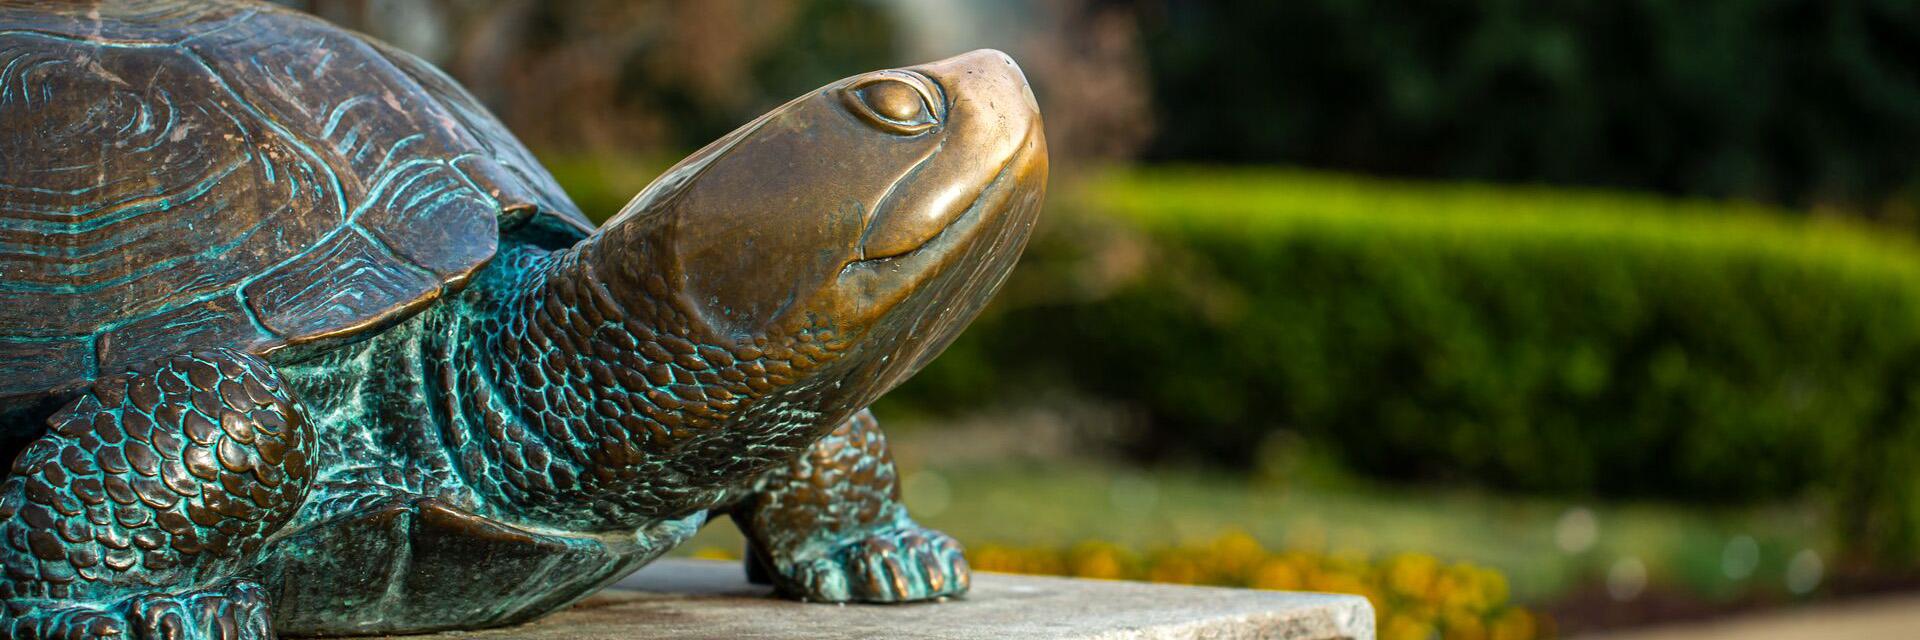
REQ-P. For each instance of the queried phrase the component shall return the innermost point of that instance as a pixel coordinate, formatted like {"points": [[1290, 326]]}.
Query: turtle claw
{"points": [[71, 623], [902, 564], [236, 611], [831, 528]]}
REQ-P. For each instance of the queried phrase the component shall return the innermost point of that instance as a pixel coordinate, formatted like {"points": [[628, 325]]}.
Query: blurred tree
{"points": [[647, 76], [662, 77], [1090, 75], [1807, 102], [1810, 102]]}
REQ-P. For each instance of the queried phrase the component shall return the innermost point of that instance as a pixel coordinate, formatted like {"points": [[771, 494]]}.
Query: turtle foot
{"points": [[830, 528], [236, 611], [900, 564], [66, 623]]}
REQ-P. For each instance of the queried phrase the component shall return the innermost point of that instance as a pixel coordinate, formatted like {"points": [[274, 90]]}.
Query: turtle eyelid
{"points": [[931, 111]]}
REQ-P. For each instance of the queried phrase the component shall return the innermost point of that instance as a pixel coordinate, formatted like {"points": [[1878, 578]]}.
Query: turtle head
{"points": [[870, 219]]}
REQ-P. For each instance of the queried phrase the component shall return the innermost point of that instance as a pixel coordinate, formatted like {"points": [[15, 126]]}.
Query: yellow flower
{"points": [[1277, 574], [1233, 556], [1403, 627], [1100, 560], [715, 553], [1412, 574], [1461, 625], [1514, 624], [1414, 595], [1177, 569]]}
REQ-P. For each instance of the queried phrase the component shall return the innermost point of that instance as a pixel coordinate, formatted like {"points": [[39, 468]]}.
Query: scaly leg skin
{"points": [[132, 516], [830, 527]]}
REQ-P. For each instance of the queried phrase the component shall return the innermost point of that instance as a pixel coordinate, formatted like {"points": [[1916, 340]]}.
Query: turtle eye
{"points": [[895, 101]]}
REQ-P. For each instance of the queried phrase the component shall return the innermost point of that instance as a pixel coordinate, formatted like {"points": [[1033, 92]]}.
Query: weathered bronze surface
{"points": [[295, 338]]}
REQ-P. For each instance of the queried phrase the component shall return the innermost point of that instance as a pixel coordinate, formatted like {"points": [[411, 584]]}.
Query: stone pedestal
{"points": [[703, 599]]}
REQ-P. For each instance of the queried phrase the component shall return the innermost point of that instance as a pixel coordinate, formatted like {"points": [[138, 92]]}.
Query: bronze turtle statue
{"points": [[296, 338]]}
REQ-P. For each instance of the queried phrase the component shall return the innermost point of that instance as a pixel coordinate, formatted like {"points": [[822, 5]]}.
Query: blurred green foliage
{"points": [[1552, 340], [1067, 502], [1415, 596], [1546, 340], [1802, 101], [815, 42]]}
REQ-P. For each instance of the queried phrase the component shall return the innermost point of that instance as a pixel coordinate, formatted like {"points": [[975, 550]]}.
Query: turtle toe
{"points": [[66, 623], [236, 611], [901, 564]]}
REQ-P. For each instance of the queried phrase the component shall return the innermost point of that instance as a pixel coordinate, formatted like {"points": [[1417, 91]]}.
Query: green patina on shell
{"points": [[296, 338], [270, 181]]}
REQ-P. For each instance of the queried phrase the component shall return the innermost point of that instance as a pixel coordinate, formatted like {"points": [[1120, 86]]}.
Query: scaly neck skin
{"points": [[593, 402]]}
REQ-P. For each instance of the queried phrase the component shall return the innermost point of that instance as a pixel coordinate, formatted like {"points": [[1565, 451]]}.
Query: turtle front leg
{"points": [[135, 515], [830, 527]]}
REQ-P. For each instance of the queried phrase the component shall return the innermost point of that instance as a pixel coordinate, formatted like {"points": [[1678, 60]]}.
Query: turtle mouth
{"points": [[1000, 192], [977, 246]]}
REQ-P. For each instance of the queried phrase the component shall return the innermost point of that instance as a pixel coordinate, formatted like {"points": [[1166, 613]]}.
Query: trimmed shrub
{"points": [[1547, 340], [1799, 101]]}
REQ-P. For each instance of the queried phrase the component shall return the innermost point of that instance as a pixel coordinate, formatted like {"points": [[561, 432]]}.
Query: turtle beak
{"points": [[992, 126], [992, 166], [819, 210]]}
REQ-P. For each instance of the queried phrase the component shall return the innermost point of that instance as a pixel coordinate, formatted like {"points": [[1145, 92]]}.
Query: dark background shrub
{"points": [[1551, 341], [1795, 101]]}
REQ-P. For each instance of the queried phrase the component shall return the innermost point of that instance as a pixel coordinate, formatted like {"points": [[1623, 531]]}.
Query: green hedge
{"points": [[1803, 101], [1549, 340]]}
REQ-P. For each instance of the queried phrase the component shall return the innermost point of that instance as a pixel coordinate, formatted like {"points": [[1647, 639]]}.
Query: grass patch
{"points": [[1060, 504], [1555, 341]]}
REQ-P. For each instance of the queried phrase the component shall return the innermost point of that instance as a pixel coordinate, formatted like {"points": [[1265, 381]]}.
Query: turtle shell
{"points": [[193, 174]]}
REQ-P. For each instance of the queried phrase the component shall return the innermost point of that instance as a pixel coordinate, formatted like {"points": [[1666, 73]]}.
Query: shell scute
{"points": [[185, 175], [416, 218], [30, 362], [121, 198], [391, 145], [153, 337], [346, 280]]}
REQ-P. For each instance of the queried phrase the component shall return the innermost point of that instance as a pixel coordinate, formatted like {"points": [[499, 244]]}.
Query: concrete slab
{"points": [[704, 599]]}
